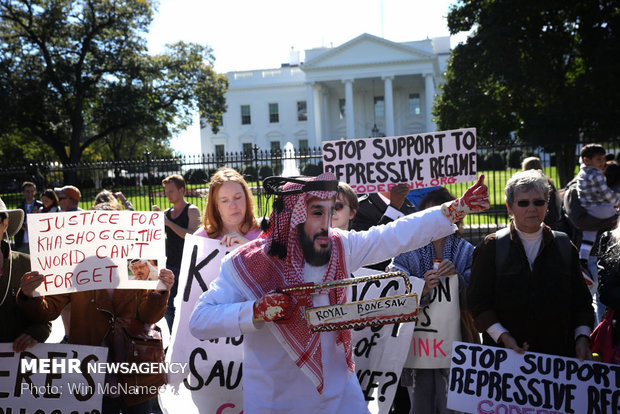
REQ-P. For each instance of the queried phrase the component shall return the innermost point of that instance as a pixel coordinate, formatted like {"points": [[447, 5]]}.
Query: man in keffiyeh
{"points": [[286, 368]]}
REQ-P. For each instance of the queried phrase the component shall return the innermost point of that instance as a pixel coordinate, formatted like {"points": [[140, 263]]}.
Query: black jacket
{"points": [[371, 212]]}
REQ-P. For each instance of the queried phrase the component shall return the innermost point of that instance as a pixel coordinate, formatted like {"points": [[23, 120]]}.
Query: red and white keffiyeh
{"points": [[261, 273]]}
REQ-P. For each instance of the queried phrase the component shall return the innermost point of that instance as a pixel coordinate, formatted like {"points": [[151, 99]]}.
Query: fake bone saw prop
{"points": [[371, 312]]}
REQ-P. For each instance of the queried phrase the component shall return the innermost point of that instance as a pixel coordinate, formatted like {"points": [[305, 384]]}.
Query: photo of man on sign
{"points": [[142, 269]]}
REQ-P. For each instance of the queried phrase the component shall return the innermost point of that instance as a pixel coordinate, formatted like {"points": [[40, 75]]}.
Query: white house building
{"points": [[367, 87]]}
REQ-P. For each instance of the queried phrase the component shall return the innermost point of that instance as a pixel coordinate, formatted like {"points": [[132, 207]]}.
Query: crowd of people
{"points": [[319, 230]]}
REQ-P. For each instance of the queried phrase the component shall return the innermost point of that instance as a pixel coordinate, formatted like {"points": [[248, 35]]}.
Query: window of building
{"points": [[275, 146], [248, 149], [303, 145], [246, 118], [379, 106], [302, 112], [414, 103], [274, 115], [219, 151], [341, 107]]}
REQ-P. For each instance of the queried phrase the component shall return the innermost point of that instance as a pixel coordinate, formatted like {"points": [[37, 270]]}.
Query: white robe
{"points": [[272, 383]]}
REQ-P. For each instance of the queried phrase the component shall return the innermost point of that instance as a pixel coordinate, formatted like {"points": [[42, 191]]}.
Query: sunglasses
{"points": [[62, 198], [338, 206], [526, 203]]}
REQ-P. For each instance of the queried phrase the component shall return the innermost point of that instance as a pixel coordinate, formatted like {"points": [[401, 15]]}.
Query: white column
{"points": [[349, 114], [318, 115], [311, 115], [389, 106], [325, 115], [429, 98]]}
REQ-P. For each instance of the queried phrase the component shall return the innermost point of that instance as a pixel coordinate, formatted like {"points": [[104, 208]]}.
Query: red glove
{"points": [[475, 200], [272, 306]]}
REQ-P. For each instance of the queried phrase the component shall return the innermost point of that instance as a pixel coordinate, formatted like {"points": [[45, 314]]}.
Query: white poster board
{"points": [[373, 165], [438, 326], [95, 249], [380, 352], [52, 389], [486, 379], [212, 381]]}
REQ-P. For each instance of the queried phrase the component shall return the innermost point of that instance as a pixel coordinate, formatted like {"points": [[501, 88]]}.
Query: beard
{"points": [[312, 256]]}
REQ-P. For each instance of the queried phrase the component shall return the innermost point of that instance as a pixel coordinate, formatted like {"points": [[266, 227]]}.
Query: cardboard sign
{"points": [[213, 379], [380, 351], [95, 249], [438, 326], [374, 165], [486, 379], [56, 387]]}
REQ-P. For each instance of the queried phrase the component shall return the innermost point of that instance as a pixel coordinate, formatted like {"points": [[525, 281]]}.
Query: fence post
{"points": [[258, 198], [147, 155]]}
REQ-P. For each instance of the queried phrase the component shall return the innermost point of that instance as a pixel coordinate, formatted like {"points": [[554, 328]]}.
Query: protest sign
{"points": [[52, 378], [438, 326], [487, 380], [96, 249], [380, 352], [212, 382], [374, 165]]}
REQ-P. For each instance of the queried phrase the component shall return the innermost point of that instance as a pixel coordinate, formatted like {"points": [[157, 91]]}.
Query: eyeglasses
{"points": [[339, 206], [526, 203], [62, 198]]}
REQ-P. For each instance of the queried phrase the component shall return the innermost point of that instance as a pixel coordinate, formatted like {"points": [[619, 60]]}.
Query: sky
{"points": [[251, 34]]}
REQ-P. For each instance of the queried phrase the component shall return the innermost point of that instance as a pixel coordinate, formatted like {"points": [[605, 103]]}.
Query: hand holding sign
{"points": [[475, 200], [30, 281], [23, 342], [167, 278], [510, 342]]}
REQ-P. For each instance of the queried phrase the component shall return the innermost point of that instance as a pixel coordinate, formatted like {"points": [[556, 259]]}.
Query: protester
{"points": [[539, 275], [68, 198], [285, 366], [609, 278], [180, 219], [17, 327], [49, 199], [382, 208], [116, 200], [28, 205], [428, 387], [345, 208], [229, 212], [92, 315], [552, 217], [595, 196]]}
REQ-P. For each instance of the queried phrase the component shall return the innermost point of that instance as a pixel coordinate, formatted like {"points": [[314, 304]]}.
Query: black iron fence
{"points": [[140, 179]]}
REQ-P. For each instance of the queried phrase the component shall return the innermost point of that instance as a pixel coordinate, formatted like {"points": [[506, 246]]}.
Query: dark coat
{"points": [[90, 315], [542, 306], [371, 213], [14, 320], [609, 272], [19, 236]]}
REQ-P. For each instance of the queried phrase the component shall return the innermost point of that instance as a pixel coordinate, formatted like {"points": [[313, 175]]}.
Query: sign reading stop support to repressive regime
{"points": [[97, 249], [371, 165]]}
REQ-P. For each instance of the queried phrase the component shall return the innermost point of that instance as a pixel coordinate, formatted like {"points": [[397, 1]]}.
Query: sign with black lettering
{"points": [[374, 165], [380, 351], [212, 381], [486, 379], [438, 326], [52, 378]]}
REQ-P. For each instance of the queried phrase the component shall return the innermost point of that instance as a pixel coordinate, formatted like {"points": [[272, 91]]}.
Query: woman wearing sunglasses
{"points": [[526, 291]]}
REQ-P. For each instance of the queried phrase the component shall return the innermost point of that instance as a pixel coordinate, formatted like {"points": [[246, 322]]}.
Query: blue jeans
{"points": [[170, 310]]}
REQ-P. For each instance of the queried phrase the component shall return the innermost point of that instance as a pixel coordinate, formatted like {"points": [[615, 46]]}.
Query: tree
{"points": [[74, 73], [538, 71]]}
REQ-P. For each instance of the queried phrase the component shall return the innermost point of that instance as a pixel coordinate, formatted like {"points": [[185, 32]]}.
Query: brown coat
{"points": [[90, 321]]}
